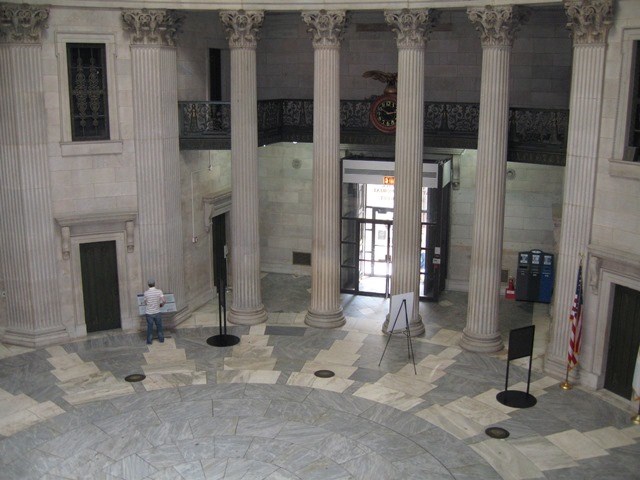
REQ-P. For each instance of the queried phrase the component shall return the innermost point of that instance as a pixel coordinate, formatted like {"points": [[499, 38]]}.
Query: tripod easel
{"points": [[406, 332]]}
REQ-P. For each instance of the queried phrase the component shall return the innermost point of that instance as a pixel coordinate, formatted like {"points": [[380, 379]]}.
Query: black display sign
{"points": [[521, 342]]}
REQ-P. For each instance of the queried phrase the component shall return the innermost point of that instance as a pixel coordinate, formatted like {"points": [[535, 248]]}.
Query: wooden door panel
{"points": [[100, 292], [624, 339]]}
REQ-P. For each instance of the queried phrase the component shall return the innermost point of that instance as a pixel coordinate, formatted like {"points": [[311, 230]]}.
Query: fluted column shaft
{"points": [[325, 310], [155, 96], [28, 250], [481, 333], [590, 22], [247, 308], [411, 28]]}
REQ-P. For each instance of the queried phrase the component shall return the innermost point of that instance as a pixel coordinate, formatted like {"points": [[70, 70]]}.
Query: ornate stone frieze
{"points": [[152, 27], [412, 27], [327, 27], [22, 23], [589, 20], [497, 25], [242, 27]]}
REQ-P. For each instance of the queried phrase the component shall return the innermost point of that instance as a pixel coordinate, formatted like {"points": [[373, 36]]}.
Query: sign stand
{"points": [[222, 340], [520, 345], [406, 332]]}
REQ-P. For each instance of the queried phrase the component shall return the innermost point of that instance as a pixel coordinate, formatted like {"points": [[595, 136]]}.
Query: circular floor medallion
{"points": [[324, 373], [135, 377], [497, 432]]}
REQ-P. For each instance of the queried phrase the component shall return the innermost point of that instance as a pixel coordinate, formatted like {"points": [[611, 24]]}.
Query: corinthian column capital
{"points": [[497, 25], [327, 27], [22, 23], [412, 27], [152, 27], [242, 27], [589, 20]]}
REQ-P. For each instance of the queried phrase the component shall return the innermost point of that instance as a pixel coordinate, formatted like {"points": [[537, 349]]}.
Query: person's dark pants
{"points": [[157, 319]]}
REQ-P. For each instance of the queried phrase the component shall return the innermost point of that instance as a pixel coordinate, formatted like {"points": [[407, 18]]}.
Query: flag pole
{"points": [[566, 385], [573, 352]]}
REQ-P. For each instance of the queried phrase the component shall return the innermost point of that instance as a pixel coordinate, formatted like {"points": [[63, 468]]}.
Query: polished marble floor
{"points": [[257, 411]]}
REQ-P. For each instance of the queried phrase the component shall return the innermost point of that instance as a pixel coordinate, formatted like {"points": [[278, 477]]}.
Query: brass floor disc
{"points": [[497, 432]]}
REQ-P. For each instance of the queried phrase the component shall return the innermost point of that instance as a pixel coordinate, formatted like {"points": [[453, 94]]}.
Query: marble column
{"points": [[242, 32], [155, 100], [325, 310], [28, 252], [497, 27], [412, 28], [589, 21]]}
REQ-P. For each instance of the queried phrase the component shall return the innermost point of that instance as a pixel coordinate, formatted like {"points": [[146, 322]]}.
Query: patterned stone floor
{"points": [[257, 411]]}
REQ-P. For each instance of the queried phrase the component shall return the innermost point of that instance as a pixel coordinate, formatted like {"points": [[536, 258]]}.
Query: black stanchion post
{"points": [[520, 345], [220, 302], [222, 339]]}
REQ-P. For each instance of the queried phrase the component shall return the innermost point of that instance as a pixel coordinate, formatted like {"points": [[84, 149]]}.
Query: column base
{"points": [[325, 320], [247, 317], [416, 327], [481, 343], [35, 339], [174, 319], [557, 367]]}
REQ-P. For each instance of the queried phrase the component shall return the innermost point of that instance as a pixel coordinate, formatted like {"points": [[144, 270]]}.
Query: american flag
{"points": [[576, 322]]}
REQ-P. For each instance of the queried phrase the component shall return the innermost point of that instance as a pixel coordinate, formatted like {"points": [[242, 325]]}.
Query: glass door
{"points": [[366, 257], [375, 257]]}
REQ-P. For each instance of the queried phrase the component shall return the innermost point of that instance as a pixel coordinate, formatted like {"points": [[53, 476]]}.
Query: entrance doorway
{"points": [[100, 291], [367, 227], [624, 340]]}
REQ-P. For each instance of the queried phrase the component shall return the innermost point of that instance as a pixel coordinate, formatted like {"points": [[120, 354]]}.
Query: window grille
{"points": [[88, 91]]}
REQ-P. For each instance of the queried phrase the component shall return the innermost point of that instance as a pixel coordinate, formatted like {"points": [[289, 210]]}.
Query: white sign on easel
{"points": [[169, 303], [403, 301], [396, 318]]}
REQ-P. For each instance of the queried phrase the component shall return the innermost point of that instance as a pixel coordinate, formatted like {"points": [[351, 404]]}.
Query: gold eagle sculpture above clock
{"points": [[383, 108]]}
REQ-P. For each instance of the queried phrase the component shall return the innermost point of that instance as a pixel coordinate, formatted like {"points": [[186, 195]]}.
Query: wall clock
{"points": [[383, 108], [383, 113]]}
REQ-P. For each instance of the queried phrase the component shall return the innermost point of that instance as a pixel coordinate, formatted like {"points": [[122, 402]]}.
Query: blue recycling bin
{"points": [[546, 279]]}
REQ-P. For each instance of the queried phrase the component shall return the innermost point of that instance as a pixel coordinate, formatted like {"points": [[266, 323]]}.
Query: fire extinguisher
{"points": [[511, 289]]}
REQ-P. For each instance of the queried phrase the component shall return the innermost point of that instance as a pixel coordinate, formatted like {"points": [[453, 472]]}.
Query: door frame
{"points": [[107, 252], [600, 340], [363, 168], [127, 322]]}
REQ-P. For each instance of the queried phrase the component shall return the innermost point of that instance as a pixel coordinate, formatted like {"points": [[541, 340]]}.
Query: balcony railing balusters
{"points": [[535, 135]]}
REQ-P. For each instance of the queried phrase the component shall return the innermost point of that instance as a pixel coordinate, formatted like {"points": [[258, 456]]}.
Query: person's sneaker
{"points": [[162, 341], [148, 343]]}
